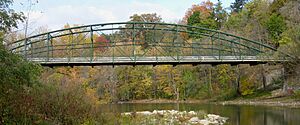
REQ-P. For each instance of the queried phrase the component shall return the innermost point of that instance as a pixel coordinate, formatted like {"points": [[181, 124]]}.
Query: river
{"points": [[237, 114]]}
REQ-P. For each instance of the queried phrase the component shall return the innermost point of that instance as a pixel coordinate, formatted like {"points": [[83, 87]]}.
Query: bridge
{"points": [[142, 43]]}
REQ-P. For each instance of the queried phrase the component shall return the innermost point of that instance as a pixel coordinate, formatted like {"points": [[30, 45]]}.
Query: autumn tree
{"points": [[205, 9], [201, 15], [277, 4], [102, 43], [143, 37], [148, 17]]}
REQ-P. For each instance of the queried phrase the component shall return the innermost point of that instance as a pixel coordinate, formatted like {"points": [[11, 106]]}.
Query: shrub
{"points": [[296, 94]]}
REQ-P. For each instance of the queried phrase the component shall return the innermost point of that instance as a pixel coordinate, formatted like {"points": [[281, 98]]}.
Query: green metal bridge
{"points": [[141, 43]]}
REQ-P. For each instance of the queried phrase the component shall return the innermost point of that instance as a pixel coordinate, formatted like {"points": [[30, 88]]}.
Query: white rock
{"points": [[144, 113], [173, 112], [213, 116], [161, 112], [126, 113], [204, 122], [192, 113], [194, 120]]}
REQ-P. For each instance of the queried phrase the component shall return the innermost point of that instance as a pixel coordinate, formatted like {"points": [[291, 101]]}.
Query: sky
{"points": [[54, 14]]}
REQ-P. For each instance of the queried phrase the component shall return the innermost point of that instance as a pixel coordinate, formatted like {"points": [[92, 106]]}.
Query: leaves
{"points": [[205, 8], [275, 26], [8, 17], [238, 5], [102, 43]]}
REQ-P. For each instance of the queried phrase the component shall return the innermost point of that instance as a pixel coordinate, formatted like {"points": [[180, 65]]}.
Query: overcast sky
{"points": [[54, 14]]}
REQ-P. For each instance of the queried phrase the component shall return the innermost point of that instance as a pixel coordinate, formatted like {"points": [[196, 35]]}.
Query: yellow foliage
{"points": [[168, 90], [247, 87], [92, 95]]}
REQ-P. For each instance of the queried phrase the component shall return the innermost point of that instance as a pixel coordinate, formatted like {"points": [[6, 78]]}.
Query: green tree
{"points": [[196, 20], [238, 5], [277, 4], [219, 14], [275, 26], [8, 17]]}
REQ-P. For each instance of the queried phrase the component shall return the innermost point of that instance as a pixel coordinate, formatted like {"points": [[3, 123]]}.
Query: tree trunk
{"points": [[285, 81], [154, 87], [263, 74], [210, 80], [177, 93], [174, 84], [113, 86], [238, 91]]}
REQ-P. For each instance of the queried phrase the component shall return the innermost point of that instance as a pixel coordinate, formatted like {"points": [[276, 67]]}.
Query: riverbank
{"points": [[279, 101], [163, 101]]}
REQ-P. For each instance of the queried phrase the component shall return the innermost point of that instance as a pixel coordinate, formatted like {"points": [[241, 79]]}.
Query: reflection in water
{"points": [[238, 115]]}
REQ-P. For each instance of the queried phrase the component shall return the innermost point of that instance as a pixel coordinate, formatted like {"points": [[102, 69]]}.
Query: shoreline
{"points": [[276, 102], [161, 101]]}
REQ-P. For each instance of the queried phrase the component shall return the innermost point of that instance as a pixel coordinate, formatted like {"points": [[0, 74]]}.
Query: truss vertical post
{"points": [[48, 46], [69, 48], [25, 48], [212, 46], [232, 49], [219, 45], [177, 46], [72, 40], [92, 44], [240, 49], [52, 49], [155, 44], [192, 53], [114, 44], [133, 40], [31, 47]]}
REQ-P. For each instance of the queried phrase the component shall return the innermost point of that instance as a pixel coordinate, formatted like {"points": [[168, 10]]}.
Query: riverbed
{"points": [[236, 114]]}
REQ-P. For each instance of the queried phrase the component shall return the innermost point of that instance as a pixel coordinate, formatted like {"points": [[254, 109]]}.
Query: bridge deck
{"points": [[214, 60]]}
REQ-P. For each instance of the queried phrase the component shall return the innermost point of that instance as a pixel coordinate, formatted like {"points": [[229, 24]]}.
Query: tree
{"points": [[102, 43], [219, 14], [8, 17], [277, 4], [201, 15], [238, 5], [250, 22], [205, 9], [148, 17], [194, 19], [275, 26], [143, 36]]}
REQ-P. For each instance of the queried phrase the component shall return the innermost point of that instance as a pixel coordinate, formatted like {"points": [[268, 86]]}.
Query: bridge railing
{"points": [[136, 41]]}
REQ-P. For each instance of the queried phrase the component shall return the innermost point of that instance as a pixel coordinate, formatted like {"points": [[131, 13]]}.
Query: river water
{"points": [[237, 114]]}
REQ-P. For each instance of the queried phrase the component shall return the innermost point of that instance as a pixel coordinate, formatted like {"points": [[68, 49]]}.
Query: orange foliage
{"points": [[205, 8]]}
